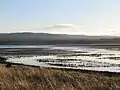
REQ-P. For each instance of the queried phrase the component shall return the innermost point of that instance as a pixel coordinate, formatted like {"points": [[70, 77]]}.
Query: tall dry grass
{"points": [[27, 78]]}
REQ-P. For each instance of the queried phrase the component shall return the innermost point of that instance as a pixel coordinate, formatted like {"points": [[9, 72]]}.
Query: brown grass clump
{"points": [[28, 78]]}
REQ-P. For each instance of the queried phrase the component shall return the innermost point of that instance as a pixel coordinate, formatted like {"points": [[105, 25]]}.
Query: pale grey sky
{"points": [[92, 17]]}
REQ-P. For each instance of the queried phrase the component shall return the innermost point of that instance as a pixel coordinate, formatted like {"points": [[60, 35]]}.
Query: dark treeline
{"points": [[42, 38]]}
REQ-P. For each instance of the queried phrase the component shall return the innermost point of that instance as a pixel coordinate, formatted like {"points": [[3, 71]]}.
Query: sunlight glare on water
{"points": [[87, 60]]}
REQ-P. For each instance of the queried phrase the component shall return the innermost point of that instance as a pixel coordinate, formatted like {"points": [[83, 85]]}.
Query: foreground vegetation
{"points": [[28, 78]]}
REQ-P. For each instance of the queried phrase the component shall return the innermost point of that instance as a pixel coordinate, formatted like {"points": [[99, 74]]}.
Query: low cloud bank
{"points": [[61, 26]]}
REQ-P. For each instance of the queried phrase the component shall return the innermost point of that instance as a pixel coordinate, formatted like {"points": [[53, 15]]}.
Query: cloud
{"points": [[61, 26]]}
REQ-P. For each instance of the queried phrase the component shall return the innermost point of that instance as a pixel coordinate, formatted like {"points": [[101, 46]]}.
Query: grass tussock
{"points": [[27, 78]]}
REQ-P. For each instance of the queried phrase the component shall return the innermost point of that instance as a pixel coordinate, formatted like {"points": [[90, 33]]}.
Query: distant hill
{"points": [[45, 38]]}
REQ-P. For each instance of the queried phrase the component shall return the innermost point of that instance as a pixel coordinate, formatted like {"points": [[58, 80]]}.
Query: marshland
{"points": [[56, 56], [59, 45], [53, 67]]}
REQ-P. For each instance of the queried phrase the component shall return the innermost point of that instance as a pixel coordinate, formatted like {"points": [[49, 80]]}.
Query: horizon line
{"points": [[56, 34]]}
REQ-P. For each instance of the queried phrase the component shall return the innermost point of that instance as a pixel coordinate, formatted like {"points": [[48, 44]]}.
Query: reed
{"points": [[29, 78]]}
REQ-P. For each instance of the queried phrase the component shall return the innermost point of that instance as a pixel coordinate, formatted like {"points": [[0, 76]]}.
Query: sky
{"points": [[88, 17]]}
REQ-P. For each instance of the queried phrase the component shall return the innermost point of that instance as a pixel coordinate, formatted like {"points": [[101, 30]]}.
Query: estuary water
{"points": [[63, 56]]}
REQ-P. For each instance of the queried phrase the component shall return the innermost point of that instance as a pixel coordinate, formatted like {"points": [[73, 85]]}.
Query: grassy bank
{"points": [[28, 78]]}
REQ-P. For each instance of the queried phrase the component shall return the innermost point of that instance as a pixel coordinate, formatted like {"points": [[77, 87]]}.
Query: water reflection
{"points": [[72, 57]]}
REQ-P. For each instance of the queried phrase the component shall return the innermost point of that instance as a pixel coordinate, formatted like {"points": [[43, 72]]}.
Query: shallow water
{"points": [[76, 57], [25, 46]]}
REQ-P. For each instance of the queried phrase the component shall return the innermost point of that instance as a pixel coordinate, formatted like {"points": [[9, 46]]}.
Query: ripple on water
{"points": [[94, 59]]}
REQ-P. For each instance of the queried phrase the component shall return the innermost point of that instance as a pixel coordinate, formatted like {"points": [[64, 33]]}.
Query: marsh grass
{"points": [[28, 78]]}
